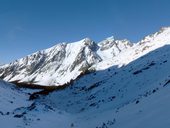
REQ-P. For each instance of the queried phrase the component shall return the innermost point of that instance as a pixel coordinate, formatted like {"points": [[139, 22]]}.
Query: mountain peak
{"points": [[87, 39], [165, 28], [160, 37], [66, 61], [111, 38]]}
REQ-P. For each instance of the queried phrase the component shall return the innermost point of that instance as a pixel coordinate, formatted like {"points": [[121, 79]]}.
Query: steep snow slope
{"points": [[133, 96], [148, 44], [54, 66], [65, 62], [130, 88], [61, 63]]}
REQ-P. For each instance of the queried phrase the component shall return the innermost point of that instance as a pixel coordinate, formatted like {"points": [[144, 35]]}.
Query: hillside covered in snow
{"points": [[66, 61], [114, 84]]}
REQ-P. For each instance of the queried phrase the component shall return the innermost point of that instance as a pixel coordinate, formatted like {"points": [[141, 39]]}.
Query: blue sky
{"points": [[27, 26]]}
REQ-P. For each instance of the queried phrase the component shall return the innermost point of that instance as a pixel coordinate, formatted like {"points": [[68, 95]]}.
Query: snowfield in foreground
{"points": [[12, 100], [127, 90]]}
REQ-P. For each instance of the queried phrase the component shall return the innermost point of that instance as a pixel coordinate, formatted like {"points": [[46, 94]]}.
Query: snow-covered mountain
{"points": [[128, 88], [63, 62], [66, 61], [134, 95], [53, 66]]}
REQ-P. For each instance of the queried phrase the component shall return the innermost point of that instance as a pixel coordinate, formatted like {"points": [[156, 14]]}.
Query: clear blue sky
{"points": [[27, 26]]}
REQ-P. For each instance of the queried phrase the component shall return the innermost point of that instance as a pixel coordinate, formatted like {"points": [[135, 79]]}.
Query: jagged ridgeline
{"points": [[64, 62]]}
